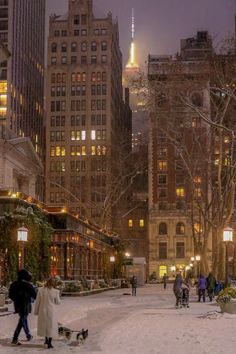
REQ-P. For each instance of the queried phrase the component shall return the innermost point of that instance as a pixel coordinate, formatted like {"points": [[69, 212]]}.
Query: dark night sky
{"points": [[160, 24]]}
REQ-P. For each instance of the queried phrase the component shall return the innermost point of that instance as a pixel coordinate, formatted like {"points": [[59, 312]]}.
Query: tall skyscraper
{"points": [[22, 31], [86, 117]]}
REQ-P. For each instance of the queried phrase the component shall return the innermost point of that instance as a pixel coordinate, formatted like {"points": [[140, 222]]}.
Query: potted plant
{"points": [[227, 300]]}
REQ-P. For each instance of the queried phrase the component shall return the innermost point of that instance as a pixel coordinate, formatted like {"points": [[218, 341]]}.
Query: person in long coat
{"points": [[46, 300], [202, 285], [22, 293], [134, 284]]}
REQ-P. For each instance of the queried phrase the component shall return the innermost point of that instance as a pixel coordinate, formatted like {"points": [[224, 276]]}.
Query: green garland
{"points": [[37, 248]]}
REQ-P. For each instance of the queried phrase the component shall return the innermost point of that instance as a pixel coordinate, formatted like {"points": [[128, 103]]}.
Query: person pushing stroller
{"points": [[181, 291]]}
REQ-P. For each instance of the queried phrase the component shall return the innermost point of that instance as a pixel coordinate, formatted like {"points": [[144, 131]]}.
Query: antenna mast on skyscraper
{"points": [[133, 25]]}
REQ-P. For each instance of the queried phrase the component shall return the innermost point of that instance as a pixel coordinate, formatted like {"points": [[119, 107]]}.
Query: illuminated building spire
{"points": [[132, 60]]}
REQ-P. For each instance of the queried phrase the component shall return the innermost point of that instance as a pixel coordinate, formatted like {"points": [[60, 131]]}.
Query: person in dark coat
{"points": [[134, 283], [202, 285], [177, 288], [22, 293], [165, 278], [211, 284]]}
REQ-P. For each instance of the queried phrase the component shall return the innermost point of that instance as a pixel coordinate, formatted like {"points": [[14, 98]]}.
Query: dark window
{"points": [[64, 33], [53, 47], [73, 47], [162, 179], [96, 31], [93, 59], [83, 19], [73, 59], [76, 20], [84, 59], [180, 251], [162, 228], [56, 33], [64, 47], [94, 46], [104, 59], [76, 32], [180, 228], [104, 45], [162, 250]]}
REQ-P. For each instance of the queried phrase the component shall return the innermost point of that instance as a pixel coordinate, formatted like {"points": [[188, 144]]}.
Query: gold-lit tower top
{"points": [[132, 59]]}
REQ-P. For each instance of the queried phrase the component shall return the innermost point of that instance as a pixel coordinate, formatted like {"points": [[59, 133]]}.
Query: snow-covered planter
{"points": [[227, 300]]}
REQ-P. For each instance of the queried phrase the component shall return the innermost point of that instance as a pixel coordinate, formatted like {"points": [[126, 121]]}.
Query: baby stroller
{"points": [[184, 299]]}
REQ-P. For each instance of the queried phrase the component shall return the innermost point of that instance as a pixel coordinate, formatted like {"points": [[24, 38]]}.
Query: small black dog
{"points": [[82, 335], [67, 333]]}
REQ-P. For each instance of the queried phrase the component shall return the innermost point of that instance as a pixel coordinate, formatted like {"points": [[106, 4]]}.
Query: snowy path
{"points": [[146, 324]]}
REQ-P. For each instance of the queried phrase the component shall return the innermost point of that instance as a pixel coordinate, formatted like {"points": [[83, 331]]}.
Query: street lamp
{"points": [[22, 237], [227, 237], [112, 261], [198, 259]]}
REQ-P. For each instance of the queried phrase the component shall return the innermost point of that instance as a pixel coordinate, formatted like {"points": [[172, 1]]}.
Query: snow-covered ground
{"points": [[122, 324]]}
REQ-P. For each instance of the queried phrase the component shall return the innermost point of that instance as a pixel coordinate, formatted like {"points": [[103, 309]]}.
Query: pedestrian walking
{"points": [[202, 285], [134, 283], [211, 284], [177, 288], [22, 293], [165, 278], [46, 300]]}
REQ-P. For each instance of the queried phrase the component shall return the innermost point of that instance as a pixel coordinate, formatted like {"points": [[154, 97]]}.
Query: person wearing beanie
{"points": [[21, 292]]}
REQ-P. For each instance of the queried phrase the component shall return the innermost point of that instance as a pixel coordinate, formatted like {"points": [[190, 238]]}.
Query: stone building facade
{"points": [[87, 119], [177, 141]]}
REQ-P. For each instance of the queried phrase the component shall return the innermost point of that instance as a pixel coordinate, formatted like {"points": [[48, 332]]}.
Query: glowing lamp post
{"points": [[22, 237], [227, 237], [198, 259], [112, 261]]}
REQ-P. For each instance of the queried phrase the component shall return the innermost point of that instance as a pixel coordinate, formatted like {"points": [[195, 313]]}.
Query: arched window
{"points": [[197, 99], [93, 46], [74, 47], [83, 46], [162, 228], [78, 77], [180, 228], [73, 77], [64, 47], [58, 78], [53, 47], [104, 45]]}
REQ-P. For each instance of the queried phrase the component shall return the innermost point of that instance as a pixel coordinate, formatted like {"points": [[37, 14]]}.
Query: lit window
{"points": [[93, 150], [162, 165], [63, 151], [83, 135], [83, 150], [197, 192], [58, 150], [130, 223], [197, 179], [197, 227], [93, 135], [52, 152], [141, 223], [72, 137], [180, 192]]}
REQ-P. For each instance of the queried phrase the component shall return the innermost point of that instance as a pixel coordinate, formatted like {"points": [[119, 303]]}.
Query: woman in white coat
{"points": [[46, 300]]}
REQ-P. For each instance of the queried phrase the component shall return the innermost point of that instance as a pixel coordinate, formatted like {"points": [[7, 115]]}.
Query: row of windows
{"points": [[179, 251], [78, 150], [97, 165], [83, 60], [163, 230], [83, 32], [131, 223], [180, 192], [79, 77], [78, 120], [79, 90], [78, 105], [83, 47]]}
